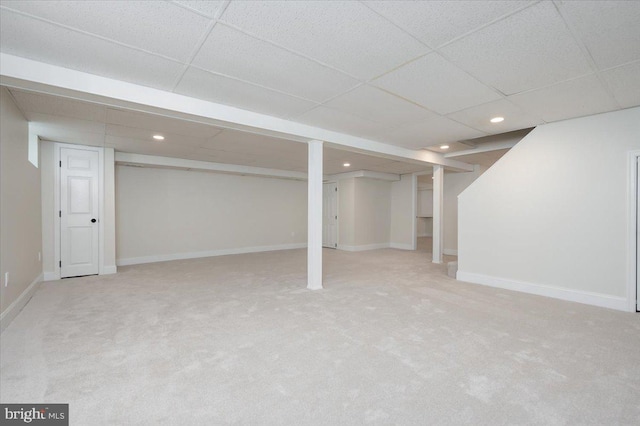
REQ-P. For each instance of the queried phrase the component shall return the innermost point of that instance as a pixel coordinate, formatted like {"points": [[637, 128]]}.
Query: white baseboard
{"points": [[14, 308], [364, 247], [585, 297], [107, 270], [401, 246], [209, 253], [51, 276], [450, 252]]}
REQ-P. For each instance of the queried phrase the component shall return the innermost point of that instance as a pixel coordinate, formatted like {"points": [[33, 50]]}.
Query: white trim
{"points": [[16, 306], [37, 76], [51, 276], [153, 160], [585, 297], [485, 147], [633, 194], [364, 247], [108, 270], [391, 177], [208, 253], [438, 214], [401, 246], [57, 146], [450, 252]]}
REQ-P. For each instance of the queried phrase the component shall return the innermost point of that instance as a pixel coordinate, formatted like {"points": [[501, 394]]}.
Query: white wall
{"points": [[164, 214], [346, 213], [20, 221], [372, 212], [403, 212], [364, 214], [454, 184], [551, 217]]}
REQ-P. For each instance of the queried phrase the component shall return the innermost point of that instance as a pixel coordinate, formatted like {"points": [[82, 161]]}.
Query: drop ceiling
{"points": [[411, 74]]}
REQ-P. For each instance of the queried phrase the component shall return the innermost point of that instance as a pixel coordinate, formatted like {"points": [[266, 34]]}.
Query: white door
{"points": [[330, 215], [79, 207]]}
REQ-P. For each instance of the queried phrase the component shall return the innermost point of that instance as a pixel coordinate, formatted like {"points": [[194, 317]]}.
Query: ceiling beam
{"points": [[27, 74], [485, 147], [126, 158]]}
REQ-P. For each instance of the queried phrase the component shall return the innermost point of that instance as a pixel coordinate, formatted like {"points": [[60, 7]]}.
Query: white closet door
{"points": [[79, 207]]}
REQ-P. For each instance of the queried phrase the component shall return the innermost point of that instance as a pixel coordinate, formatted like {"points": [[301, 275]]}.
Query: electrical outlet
{"points": [[6, 279]]}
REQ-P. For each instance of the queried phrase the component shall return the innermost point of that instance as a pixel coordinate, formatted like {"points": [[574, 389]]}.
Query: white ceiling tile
{"points": [[379, 106], [204, 85], [575, 98], [344, 34], [437, 84], [209, 8], [609, 29], [40, 41], [160, 124], [147, 135], [340, 121], [139, 146], [438, 22], [430, 132], [478, 117], [230, 52], [244, 142], [71, 123], [45, 104], [530, 49], [624, 81], [156, 26]]}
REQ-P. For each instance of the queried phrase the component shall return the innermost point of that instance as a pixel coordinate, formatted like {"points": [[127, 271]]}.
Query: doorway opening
{"points": [[330, 215]]}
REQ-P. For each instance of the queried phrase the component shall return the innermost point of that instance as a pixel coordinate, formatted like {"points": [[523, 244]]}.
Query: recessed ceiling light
{"points": [[444, 146], [497, 119], [158, 137], [347, 164]]}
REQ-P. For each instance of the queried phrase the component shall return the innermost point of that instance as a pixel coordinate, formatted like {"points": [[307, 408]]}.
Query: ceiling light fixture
{"points": [[347, 164], [158, 137], [444, 146], [497, 119]]}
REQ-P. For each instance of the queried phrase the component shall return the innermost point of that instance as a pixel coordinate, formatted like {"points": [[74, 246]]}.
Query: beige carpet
{"points": [[391, 340]]}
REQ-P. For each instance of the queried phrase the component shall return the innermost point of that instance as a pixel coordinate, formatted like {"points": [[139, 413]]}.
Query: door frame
{"points": [[334, 182], [57, 146], [633, 287]]}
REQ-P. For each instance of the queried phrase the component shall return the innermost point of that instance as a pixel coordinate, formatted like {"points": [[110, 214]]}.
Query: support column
{"points": [[314, 221], [438, 230]]}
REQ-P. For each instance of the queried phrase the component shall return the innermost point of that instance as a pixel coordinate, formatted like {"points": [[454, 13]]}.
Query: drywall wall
{"points": [[109, 213], [364, 214], [346, 213], [372, 213], [164, 214], [20, 221], [551, 217], [424, 222], [403, 213], [454, 184], [48, 166]]}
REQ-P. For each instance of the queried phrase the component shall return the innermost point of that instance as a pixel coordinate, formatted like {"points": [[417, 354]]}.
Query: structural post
{"points": [[314, 233], [438, 233]]}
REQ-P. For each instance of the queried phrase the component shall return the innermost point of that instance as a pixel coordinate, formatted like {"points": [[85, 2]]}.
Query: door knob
{"points": [[93, 221]]}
